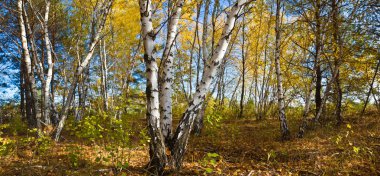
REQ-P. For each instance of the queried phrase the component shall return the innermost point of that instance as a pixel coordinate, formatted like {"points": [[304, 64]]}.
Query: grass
{"points": [[243, 147]]}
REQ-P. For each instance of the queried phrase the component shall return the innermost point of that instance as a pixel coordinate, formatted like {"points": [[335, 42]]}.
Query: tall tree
{"points": [[317, 54], [370, 88], [243, 72], [180, 138], [182, 133], [100, 16], [28, 64], [167, 73], [280, 93], [337, 57], [49, 75], [198, 125], [156, 146]]}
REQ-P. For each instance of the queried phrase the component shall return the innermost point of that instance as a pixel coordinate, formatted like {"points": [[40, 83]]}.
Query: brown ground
{"points": [[245, 147]]}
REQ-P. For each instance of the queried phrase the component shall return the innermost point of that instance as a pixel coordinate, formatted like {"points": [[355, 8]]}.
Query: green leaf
{"points": [[208, 170], [106, 159], [213, 162], [212, 155], [126, 165], [356, 149]]}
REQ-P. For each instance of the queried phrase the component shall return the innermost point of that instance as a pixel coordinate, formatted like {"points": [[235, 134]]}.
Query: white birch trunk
{"points": [[198, 124], [166, 78], [49, 75], [280, 93], [183, 130], [204, 32], [28, 64], [156, 145], [104, 69]]}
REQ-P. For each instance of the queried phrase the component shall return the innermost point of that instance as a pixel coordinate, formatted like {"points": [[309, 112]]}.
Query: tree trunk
{"points": [[338, 108], [49, 75], [205, 56], [243, 71], [337, 60], [196, 37], [306, 110], [234, 92], [156, 146], [280, 93], [326, 93], [28, 64], [370, 88], [102, 19], [104, 74], [22, 92], [167, 74], [318, 86], [182, 133]]}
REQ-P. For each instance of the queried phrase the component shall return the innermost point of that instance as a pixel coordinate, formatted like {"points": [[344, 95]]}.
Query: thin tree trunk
{"points": [[32, 121], [234, 92], [317, 62], [199, 119], [199, 5], [337, 61], [243, 70], [22, 91], [280, 93], [370, 88], [49, 75], [104, 72], [263, 93], [103, 16], [305, 114], [326, 93]]}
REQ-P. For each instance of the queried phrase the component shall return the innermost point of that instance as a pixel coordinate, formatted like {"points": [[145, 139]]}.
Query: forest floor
{"points": [[236, 147]]}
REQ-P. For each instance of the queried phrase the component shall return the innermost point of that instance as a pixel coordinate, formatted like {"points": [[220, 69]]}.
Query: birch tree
{"points": [[28, 64], [49, 76], [198, 125], [280, 93], [156, 146], [182, 133], [180, 138], [167, 73], [104, 73], [100, 16]]}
